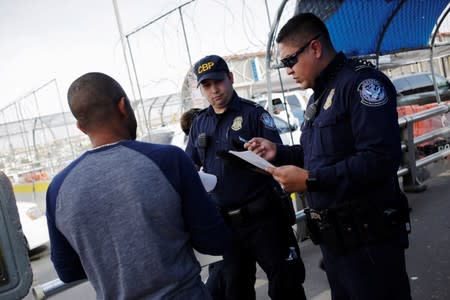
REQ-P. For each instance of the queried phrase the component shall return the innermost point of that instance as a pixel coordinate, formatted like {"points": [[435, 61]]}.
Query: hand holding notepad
{"points": [[252, 158]]}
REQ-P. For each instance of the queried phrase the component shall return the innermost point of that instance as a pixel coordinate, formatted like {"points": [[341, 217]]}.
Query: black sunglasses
{"points": [[290, 60]]}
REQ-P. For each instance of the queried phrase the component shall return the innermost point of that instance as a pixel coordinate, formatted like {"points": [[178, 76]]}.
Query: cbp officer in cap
{"points": [[347, 164], [248, 200]]}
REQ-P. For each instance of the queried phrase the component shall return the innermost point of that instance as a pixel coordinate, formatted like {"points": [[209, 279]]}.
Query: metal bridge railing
{"points": [[410, 163]]}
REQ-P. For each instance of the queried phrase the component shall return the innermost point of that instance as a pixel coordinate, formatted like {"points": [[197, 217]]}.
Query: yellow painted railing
{"points": [[37, 186]]}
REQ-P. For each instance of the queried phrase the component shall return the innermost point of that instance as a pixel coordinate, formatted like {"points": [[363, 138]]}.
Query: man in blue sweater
{"points": [[126, 215]]}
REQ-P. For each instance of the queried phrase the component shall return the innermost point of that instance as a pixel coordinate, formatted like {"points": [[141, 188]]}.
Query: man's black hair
{"points": [[187, 118], [92, 97], [301, 27]]}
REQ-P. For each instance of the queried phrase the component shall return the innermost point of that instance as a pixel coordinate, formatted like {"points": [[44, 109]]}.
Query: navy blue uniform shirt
{"points": [[243, 120], [352, 147]]}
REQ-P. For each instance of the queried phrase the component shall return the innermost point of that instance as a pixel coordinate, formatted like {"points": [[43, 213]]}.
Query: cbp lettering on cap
{"points": [[210, 67]]}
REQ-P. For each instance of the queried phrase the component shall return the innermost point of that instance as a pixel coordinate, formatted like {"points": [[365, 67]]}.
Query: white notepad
{"points": [[252, 158]]}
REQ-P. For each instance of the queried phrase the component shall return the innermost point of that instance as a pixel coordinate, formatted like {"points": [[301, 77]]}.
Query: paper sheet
{"points": [[252, 158], [209, 180]]}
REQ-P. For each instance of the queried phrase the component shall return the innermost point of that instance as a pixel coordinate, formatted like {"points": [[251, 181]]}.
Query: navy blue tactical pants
{"points": [[371, 272], [271, 242], [216, 281]]}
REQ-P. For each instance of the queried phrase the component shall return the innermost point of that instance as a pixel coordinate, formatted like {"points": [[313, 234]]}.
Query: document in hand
{"points": [[252, 158], [209, 181]]}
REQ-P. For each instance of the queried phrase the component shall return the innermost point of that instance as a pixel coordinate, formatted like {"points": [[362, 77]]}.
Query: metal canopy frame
{"points": [[378, 52], [385, 27]]}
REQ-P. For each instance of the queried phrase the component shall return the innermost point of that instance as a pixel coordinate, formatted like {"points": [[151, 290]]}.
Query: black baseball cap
{"points": [[210, 67]]}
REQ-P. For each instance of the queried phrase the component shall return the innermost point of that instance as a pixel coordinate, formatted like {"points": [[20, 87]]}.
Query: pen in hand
{"points": [[242, 139]]}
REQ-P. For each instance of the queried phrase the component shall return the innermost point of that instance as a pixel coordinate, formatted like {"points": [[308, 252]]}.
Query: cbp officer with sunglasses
{"points": [[346, 163], [249, 201]]}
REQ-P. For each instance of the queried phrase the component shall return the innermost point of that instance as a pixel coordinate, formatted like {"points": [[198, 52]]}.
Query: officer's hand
{"points": [[291, 178], [262, 147]]}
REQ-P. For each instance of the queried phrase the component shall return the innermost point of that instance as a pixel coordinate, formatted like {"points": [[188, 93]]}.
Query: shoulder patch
{"points": [[372, 93], [267, 120]]}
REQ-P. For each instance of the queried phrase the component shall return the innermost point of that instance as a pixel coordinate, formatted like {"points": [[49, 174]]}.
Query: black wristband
{"points": [[311, 183]]}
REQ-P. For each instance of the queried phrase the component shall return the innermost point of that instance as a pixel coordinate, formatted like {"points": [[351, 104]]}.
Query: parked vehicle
{"points": [[295, 105], [418, 88], [34, 224], [416, 93], [285, 129], [289, 118]]}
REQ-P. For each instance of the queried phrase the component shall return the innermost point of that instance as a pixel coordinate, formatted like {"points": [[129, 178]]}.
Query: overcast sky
{"points": [[51, 39], [42, 40]]}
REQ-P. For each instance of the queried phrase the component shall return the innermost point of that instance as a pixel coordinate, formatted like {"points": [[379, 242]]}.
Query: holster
{"points": [[322, 230], [344, 228], [256, 207], [271, 201], [284, 201]]}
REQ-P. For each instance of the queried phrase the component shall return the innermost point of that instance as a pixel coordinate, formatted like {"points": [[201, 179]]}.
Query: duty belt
{"points": [[253, 208], [271, 201], [345, 228]]}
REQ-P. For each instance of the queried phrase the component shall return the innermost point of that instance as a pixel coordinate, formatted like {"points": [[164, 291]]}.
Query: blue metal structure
{"points": [[370, 28], [377, 27]]}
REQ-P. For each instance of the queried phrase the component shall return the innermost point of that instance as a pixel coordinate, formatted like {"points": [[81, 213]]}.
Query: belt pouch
{"points": [[312, 223], [330, 233], [373, 226], [347, 230]]}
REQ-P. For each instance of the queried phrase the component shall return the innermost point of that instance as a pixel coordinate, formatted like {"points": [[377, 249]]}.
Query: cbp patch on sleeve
{"points": [[267, 120], [372, 93]]}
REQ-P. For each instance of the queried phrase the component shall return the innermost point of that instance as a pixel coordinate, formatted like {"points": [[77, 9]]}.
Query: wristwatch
{"points": [[311, 183]]}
